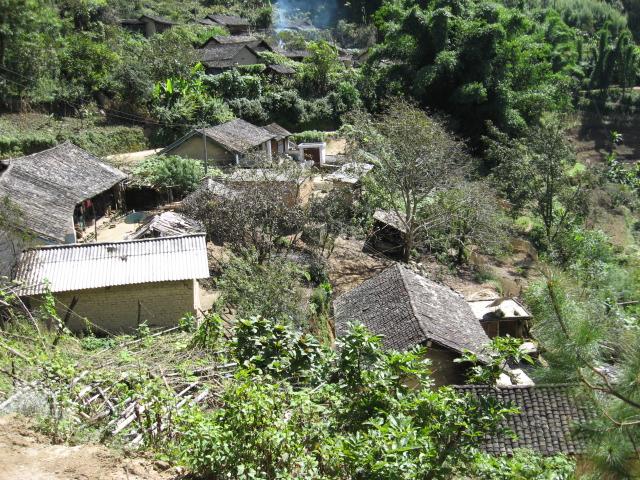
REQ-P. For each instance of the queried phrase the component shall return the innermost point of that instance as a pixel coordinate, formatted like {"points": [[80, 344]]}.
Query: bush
{"points": [[309, 136], [183, 175]]}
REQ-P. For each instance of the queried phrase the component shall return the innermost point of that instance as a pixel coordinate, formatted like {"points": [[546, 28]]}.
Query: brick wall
{"points": [[116, 308]]}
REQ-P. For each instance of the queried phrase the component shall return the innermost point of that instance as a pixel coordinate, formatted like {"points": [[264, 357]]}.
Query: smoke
{"points": [[305, 14]]}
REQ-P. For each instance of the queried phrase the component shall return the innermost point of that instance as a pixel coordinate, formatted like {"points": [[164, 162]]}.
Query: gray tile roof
{"points": [[277, 130], [235, 136], [546, 424], [281, 69], [239, 135], [47, 185], [95, 265], [391, 218], [220, 56], [410, 310], [229, 20]]}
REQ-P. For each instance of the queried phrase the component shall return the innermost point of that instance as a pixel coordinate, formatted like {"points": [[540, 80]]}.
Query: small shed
{"points": [[147, 25], [59, 192], [118, 285], [502, 316], [547, 423], [276, 71], [235, 24], [226, 144], [408, 310], [315, 152], [387, 234]]}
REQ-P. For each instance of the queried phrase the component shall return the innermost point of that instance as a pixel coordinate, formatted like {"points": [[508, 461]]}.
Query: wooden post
{"points": [[65, 322], [206, 155], [95, 220], [139, 313]]}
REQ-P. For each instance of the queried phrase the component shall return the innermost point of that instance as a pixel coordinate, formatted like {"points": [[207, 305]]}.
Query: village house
{"points": [[217, 59], [408, 311], [255, 43], [275, 71], [502, 316], [295, 189], [296, 55], [231, 143], [117, 286], [546, 424], [147, 25], [280, 141], [59, 193], [234, 24]]}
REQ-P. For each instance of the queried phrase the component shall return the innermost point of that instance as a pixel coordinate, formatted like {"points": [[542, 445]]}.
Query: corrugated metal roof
{"points": [[95, 265]]}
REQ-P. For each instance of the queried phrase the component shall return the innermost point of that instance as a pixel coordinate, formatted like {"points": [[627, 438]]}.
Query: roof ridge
{"points": [[120, 242], [402, 270]]}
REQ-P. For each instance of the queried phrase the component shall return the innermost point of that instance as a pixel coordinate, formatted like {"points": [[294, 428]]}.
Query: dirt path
{"points": [[29, 455]]}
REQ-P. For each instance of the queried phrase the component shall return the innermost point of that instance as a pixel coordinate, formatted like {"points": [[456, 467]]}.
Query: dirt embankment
{"points": [[29, 455]]}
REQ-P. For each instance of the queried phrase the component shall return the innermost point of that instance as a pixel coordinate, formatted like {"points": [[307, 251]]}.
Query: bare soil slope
{"points": [[29, 455]]}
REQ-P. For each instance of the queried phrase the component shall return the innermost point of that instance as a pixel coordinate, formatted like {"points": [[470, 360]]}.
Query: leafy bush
{"points": [[170, 172], [309, 136], [356, 417]]}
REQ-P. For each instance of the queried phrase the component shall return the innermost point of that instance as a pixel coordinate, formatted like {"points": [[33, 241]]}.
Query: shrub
{"points": [[309, 136], [183, 175]]}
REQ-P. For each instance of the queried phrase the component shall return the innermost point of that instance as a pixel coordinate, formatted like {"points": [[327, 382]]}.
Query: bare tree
{"points": [[415, 157], [255, 209]]}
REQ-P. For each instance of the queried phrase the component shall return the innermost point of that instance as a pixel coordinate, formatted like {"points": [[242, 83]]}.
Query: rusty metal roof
{"points": [[66, 268]]}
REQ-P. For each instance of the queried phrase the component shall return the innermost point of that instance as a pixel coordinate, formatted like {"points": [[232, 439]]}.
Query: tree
{"points": [[591, 340], [318, 67], [473, 218], [535, 173], [267, 289], [255, 215], [331, 216], [415, 158]]}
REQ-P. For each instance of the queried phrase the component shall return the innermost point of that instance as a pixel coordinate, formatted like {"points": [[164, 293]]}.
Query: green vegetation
{"points": [[170, 172], [288, 407], [463, 108]]}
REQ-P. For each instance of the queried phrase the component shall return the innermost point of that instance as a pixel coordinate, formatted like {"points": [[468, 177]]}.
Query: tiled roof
{"points": [[546, 424], [277, 130], [66, 268], [230, 20], [46, 186], [281, 69], [167, 224], [410, 310], [393, 219], [235, 136]]}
